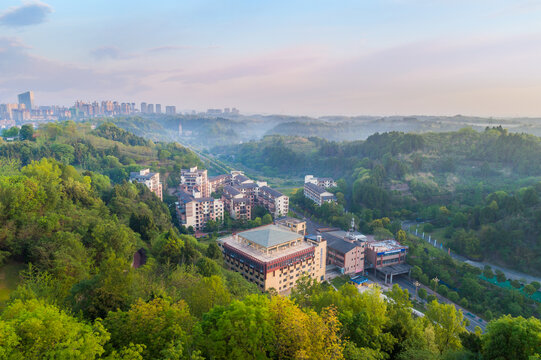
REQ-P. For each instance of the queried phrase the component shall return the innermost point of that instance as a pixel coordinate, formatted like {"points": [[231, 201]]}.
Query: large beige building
{"points": [[273, 257], [150, 179]]}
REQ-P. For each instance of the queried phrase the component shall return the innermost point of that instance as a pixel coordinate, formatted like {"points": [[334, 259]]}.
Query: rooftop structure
{"points": [[296, 225]]}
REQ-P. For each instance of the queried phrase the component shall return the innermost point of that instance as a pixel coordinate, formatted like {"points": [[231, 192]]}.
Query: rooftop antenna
{"points": [[352, 224]]}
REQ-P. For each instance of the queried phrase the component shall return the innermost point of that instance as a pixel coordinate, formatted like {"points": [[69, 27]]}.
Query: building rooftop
{"points": [[336, 240], [219, 177], [386, 245], [241, 178], [317, 189], [231, 190], [204, 199], [141, 175], [269, 235], [271, 191], [262, 256], [288, 219]]}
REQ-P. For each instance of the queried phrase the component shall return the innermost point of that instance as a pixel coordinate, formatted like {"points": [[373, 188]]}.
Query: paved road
{"points": [[510, 274], [474, 320]]}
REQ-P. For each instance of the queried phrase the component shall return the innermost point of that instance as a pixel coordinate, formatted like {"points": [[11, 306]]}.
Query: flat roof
{"points": [[270, 235], [289, 219], [262, 256], [386, 245]]}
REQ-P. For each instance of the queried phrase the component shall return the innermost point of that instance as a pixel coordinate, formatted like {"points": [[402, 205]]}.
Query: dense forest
{"points": [[82, 232], [478, 190]]}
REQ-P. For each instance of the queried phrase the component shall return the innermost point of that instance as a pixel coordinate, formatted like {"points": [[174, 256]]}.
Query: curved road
{"points": [[510, 274]]}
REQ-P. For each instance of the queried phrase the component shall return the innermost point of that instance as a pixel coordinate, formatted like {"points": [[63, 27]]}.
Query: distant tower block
{"points": [[179, 128]]}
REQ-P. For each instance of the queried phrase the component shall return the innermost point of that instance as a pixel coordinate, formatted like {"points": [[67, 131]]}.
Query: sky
{"points": [[316, 58]]}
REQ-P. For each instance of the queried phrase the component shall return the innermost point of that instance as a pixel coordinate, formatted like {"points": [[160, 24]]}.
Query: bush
{"points": [[422, 293], [428, 228]]}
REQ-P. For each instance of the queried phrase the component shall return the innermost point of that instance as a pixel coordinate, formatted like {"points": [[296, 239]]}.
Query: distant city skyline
{"points": [[316, 58]]}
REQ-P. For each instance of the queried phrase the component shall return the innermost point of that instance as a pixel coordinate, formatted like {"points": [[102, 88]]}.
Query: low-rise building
{"points": [[318, 194], [295, 225], [345, 250], [150, 179], [384, 253], [273, 257]]}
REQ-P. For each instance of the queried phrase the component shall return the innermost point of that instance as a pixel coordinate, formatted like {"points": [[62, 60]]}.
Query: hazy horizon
{"points": [[313, 58]]}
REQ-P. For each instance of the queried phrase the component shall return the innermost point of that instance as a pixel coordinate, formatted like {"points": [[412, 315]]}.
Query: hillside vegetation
{"points": [[482, 188]]}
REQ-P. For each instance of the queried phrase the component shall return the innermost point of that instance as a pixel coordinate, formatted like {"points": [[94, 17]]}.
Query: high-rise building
{"points": [[158, 108], [170, 110], [150, 109], [143, 108], [27, 99]]}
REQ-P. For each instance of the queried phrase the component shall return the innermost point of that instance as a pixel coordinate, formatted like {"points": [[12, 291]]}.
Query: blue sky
{"points": [[377, 57]]}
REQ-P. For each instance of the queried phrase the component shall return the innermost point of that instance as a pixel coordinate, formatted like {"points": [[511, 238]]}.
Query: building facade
{"points": [[27, 99], [273, 257], [384, 253], [196, 211], [318, 194], [150, 179], [346, 250], [274, 201], [195, 177]]}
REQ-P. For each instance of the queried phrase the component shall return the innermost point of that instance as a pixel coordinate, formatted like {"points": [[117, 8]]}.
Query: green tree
{"points": [[266, 219], [27, 132], [158, 325], [448, 325], [35, 330], [512, 338], [242, 330]]}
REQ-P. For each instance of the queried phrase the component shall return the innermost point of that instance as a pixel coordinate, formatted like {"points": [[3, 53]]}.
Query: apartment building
{"points": [[273, 257], [345, 250], [323, 182], [274, 201], [150, 179], [236, 203], [197, 211], [218, 182], [318, 194], [195, 178], [295, 225]]}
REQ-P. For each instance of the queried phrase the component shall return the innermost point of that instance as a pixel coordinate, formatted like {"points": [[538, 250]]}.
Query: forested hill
{"points": [[480, 190], [82, 296], [106, 149]]}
